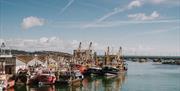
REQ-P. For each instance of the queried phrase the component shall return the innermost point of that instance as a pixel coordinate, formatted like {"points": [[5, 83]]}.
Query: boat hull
{"points": [[110, 71], [43, 80], [6, 82], [93, 71]]}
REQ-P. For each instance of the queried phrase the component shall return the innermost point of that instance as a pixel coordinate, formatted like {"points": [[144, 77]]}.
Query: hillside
{"points": [[19, 52]]}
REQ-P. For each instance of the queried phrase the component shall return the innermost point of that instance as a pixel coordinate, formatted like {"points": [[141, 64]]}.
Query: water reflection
{"points": [[103, 83], [95, 83], [114, 83], [35, 88]]}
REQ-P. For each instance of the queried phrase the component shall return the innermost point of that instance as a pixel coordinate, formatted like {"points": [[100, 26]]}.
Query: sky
{"points": [[140, 27]]}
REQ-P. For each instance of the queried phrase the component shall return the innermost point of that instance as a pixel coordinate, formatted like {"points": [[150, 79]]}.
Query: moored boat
{"points": [[6, 82], [94, 71], [110, 71], [22, 77], [79, 67], [70, 78], [44, 77]]}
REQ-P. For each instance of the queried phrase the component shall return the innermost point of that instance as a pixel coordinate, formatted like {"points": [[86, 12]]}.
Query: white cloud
{"points": [[110, 24], [46, 43], [162, 30], [1, 41], [32, 21], [43, 40], [161, 2], [52, 44], [143, 16], [164, 1], [157, 1], [140, 48], [59, 44], [134, 4]]}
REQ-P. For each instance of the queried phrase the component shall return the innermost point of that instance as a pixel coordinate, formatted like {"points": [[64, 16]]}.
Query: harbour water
{"points": [[139, 77]]}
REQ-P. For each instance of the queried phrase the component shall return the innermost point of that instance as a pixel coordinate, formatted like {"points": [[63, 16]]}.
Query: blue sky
{"points": [[141, 27]]}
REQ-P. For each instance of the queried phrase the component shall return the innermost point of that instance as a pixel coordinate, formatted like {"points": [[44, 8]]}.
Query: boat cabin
{"points": [[7, 64]]}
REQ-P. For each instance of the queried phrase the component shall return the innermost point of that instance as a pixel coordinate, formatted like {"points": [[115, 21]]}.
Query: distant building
{"points": [[22, 60], [35, 61]]}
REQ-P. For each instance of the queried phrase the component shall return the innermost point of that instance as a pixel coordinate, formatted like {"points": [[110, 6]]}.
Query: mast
{"points": [[89, 51], [79, 49], [119, 54], [107, 56], [119, 58], [78, 56], [90, 45]]}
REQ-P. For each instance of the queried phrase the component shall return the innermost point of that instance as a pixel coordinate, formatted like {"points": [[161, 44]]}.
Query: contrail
{"points": [[116, 10], [68, 5], [110, 14]]}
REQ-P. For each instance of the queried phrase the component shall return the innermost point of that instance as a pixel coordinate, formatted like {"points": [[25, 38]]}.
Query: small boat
{"points": [[142, 61], [70, 78], [6, 82], [46, 77]]}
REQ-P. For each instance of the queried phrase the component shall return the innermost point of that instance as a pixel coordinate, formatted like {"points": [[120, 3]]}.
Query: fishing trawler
{"points": [[83, 59], [109, 68], [42, 77], [93, 67], [71, 74], [70, 78]]}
